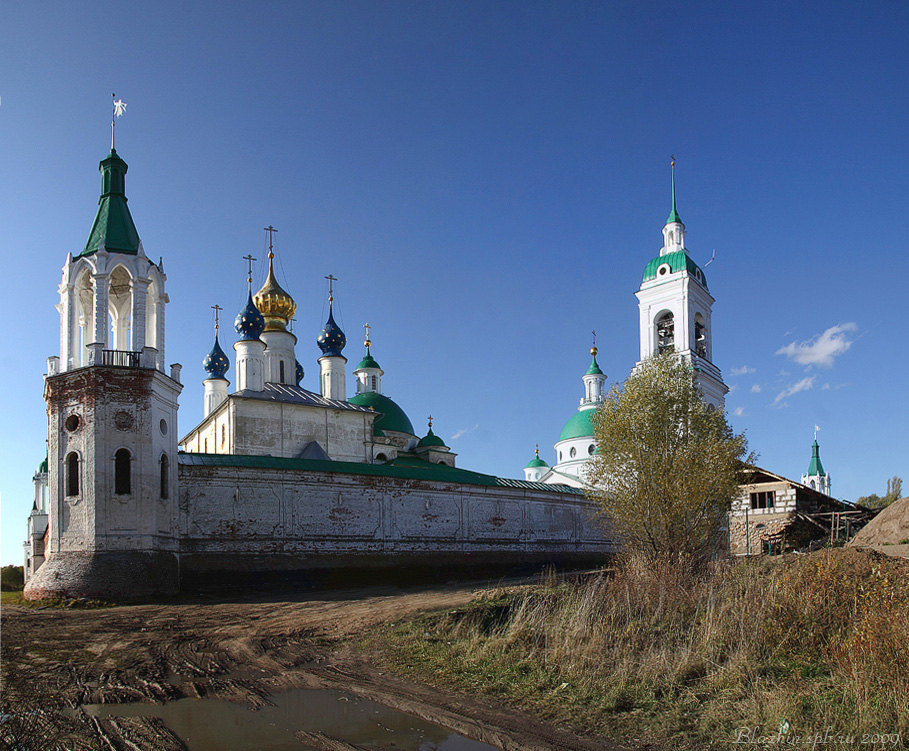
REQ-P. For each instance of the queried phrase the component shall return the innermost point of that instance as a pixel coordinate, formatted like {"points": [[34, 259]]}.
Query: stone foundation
{"points": [[105, 575]]}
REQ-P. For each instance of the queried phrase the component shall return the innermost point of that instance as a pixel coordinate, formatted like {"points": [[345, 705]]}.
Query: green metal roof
{"points": [[579, 425], [113, 222], [678, 261], [392, 416], [430, 439], [594, 368], [815, 467], [673, 215], [536, 462], [405, 466], [368, 362]]}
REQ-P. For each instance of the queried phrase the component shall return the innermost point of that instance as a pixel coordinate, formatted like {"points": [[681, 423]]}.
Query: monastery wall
{"points": [[250, 519]]}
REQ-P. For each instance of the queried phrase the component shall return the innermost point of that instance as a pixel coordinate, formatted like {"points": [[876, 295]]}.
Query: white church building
{"points": [[675, 314]]}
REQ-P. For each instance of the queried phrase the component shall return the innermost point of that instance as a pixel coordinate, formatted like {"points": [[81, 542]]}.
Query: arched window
{"points": [[223, 435], [122, 468], [381, 458], [165, 477], [72, 473], [573, 453], [374, 383], [591, 448], [700, 336], [665, 331], [281, 369]]}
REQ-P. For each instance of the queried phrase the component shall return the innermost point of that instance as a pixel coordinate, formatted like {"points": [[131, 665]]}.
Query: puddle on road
{"points": [[213, 725]]}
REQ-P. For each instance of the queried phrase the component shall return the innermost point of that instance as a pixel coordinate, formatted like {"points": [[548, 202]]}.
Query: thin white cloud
{"points": [[756, 389], [804, 385], [739, 411], [732, 388], [744, 370], [833, 386], [821, 349], [464, 431]]}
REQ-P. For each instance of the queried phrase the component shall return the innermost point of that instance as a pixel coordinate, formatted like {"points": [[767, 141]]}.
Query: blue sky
{"points": [[487, 180]]}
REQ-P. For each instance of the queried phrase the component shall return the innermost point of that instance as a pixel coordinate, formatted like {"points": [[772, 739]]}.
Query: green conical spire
{"points": [[673, 215], [815, 467], [113, 222]]}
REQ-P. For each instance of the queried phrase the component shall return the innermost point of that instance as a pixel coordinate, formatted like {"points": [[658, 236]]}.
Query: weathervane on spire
{"points": [[119, 107], [816, 429], [217, 308], [249, 262], [331, 289], [367, 343]]}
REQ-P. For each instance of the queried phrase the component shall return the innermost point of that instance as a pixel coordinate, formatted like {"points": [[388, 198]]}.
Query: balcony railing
{"points": [[120, 358]]}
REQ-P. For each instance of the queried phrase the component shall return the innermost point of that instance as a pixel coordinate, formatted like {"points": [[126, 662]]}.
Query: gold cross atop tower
{"points": [[430, 422], [217, 309], [367, 343], [331, 289]]}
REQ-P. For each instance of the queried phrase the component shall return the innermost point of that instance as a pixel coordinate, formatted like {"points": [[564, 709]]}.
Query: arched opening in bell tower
{"points": [[665, 332]]}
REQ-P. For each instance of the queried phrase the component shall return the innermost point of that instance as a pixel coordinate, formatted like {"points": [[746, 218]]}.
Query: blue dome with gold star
{"points": [[250, 322], [331, 340], [298, 372], [216, 362]]}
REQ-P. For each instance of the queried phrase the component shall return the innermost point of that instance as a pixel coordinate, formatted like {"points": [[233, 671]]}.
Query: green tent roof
{"points": [[113, 222], [815, 467], [579, 425], [392, 416], [678, 261]]}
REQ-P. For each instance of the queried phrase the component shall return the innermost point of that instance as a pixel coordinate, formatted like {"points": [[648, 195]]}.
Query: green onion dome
{"points": [[579, 426], [430, 439], [391, 416]]}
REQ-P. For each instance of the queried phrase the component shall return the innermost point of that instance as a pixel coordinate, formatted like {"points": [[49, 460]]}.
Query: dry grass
{"points": [[657, 652]]}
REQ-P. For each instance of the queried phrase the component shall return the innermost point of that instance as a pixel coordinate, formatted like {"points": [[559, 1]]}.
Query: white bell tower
{"points": [[676, 307]]}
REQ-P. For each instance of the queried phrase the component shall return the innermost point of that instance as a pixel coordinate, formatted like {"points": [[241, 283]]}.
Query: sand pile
{"points": [[890, 527]]}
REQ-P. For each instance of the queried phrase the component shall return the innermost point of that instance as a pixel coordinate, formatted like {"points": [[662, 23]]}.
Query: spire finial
{"points": [[367, 343], [674, 214], [816, 429], [537, 451], [331, 289], [217, 308], [430, 423], [249, 262], [119, 107], [271, 231], [593, 349]]}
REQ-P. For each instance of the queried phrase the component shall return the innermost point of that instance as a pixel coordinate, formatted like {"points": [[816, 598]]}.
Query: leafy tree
{"points": [[666, 467], [12, 578], [894, 493]]}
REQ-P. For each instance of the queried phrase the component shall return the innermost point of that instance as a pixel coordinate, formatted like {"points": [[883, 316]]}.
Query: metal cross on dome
{"points": [[367, 343], [331, 289], [249, 262], [271, 231], [217, 309]]}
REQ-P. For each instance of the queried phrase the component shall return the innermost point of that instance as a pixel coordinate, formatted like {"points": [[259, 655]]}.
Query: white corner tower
{"points": [[112, 417], [676, 306]]}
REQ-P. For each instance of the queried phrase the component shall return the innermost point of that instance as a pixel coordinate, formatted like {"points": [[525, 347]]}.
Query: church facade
{"points": [[275, 479]]}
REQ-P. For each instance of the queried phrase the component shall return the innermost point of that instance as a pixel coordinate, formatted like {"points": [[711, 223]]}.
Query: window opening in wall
{"points": [[374, 383], [223, 435], [700, 337], [573, 453], [764, 499], [591, 448], [165, 476], [281, 370], [205, 446], [72, 474], [665, 333], [122, 472], [381, 458]]}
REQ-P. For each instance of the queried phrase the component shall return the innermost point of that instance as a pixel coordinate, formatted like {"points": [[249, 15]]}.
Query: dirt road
{"points": [[240, 651]]}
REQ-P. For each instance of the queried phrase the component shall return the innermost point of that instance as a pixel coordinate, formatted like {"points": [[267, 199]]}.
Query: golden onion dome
{"points": [[274, 303]]}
